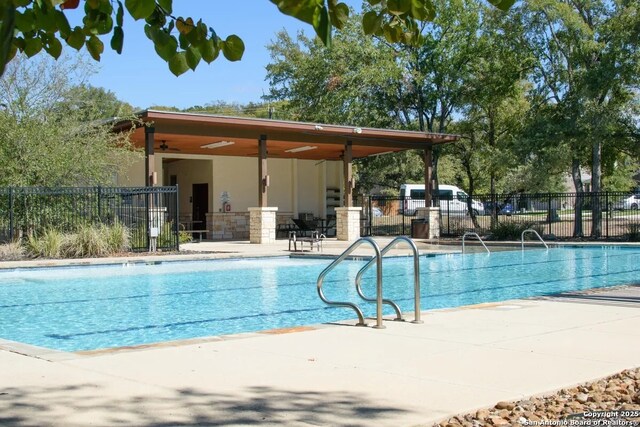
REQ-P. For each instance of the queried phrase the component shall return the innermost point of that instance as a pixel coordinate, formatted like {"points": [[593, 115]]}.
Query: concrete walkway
{"points": [[331, 375]]}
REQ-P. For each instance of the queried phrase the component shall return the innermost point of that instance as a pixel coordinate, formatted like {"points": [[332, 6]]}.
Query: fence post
{"points": [[369, 226], [549, 215], [402, 203], [176, 219], [609, 213], [11, 214], [100, 203]]}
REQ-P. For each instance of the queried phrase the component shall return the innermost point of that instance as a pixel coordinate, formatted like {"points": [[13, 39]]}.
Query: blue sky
{"points": [[140, 78]]}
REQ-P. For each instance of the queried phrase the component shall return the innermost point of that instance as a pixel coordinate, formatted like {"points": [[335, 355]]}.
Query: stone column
{"points": [[348, 223], [432, 214], [262, 225]]}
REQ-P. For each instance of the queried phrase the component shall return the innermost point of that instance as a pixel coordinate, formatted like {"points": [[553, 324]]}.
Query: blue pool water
{"points": [[87, 308]]}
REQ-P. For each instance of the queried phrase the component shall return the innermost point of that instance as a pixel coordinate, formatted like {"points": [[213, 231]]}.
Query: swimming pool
{"points": [[87, 308]]}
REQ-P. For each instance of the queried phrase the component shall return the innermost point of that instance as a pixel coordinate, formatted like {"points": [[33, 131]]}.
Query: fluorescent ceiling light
{"points": [[218, 144], [299, 149]]}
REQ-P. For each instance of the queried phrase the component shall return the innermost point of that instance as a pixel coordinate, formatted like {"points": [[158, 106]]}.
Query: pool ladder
{"points": [[377, 259], [476, 235], [531, 230]]}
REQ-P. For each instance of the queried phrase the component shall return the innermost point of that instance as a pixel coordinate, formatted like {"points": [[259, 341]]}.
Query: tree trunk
{"points": [[577, 182], [492, 143], [596, 178]]}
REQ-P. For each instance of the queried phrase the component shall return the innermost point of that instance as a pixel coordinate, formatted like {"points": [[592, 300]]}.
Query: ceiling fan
{"points": [[165, 147]]}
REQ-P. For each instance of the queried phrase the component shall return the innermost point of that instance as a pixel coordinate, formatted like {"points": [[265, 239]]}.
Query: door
{"points": [[200, 205]]}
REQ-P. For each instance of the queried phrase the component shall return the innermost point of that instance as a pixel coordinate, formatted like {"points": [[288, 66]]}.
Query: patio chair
{"points": [[305, 228]]}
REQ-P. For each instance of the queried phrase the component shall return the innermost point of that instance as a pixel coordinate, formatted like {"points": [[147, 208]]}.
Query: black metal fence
{"points": [[143, 210], [607, 215]]}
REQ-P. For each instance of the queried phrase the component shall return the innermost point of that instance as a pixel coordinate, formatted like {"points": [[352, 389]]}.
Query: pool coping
{"points": [[226, 255]]}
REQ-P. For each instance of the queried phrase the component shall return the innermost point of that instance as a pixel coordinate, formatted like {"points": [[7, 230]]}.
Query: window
{"points": [[462, 196], [417, 194], [445, 194]]}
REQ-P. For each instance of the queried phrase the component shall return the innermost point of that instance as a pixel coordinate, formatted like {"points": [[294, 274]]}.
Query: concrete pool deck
{"points": [[458, 360]]}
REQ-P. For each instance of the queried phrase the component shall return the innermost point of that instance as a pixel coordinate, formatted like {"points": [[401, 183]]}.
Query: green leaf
{"points": [[25, 21], [398, 7], [21, 3], [209, 51], [32, 46], [502, 4], [54, 47], [95, 47], [422, 10], [193, 57], [140, 9], [323, 27], [7, 24], [392, 33], [105, 25], [117, 39], [305, 11], [178, 64], [62, 23], [339, 14], [119, 14], [166, 5], [76, 38], [166, 47], [371, 22], [233, 48]]}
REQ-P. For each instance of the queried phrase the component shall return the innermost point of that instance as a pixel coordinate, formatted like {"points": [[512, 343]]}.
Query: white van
{"points": [[453, 201]]}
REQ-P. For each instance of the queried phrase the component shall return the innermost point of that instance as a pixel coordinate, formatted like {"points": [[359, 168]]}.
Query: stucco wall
{"points": [[189, 172], [292, 182], [238, 176], [310, 181]]}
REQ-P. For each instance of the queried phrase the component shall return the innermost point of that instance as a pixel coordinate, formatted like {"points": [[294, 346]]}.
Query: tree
{"points": [[373, 82], [49, 135], [585, 77], [30, 26], [357, 82]]}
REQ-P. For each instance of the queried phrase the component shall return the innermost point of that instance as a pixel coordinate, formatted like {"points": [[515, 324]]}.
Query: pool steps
{"points": [[476, 235], [377, 259], [531, 230]]}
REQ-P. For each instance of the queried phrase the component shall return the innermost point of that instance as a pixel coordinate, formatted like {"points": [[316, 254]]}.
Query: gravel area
{"points": [[611, 401]]}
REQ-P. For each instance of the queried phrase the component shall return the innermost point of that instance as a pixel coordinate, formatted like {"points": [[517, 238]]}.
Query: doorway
{"points": [[200, 205]]}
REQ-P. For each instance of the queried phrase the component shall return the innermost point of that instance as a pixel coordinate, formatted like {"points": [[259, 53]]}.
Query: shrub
{"points": [[633, 232], [117, 238], [11, 251], [512, 230], [89, 241], [48, 245], [165, 237]]}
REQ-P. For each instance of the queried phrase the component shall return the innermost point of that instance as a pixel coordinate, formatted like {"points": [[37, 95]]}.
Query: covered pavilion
{"points": [[285, 155]]}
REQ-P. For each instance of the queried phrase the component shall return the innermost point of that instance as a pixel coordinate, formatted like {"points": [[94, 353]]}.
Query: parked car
{"points": [[631, 202], [453, 201], [502, 208], [376, 211]]}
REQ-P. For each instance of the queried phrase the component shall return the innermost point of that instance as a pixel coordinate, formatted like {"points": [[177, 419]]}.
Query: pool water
{"points": [[87, 308]]}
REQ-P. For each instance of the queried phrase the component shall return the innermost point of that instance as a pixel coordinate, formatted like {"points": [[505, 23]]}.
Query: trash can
{"points": [[420, 228]]}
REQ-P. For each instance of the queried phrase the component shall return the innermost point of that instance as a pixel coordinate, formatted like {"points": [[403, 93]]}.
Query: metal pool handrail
{"points": [[416, 278], [346, 253], [531, 230], [470, 233]]}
